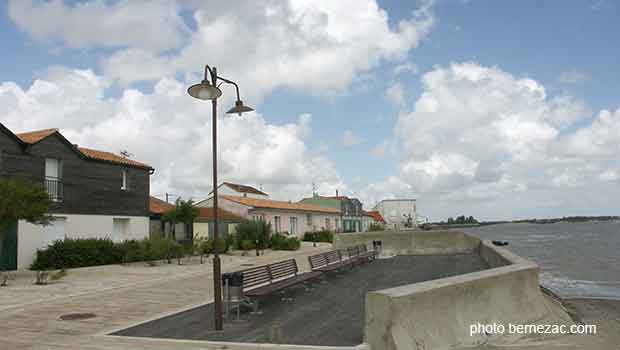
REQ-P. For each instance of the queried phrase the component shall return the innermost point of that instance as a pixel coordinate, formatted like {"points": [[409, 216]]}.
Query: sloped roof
{"points": [[157, 206], [36, 136], [282, 205], [244, 188], [33, 137], [375, 215], [110, 157], [206, 215]]}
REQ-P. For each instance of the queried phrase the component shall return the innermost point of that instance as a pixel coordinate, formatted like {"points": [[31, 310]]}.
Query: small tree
{"points": [[184, 212], [22, 200]]}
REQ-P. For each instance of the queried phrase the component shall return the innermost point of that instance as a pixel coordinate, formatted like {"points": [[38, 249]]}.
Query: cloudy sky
{"points": [[494, 109]]}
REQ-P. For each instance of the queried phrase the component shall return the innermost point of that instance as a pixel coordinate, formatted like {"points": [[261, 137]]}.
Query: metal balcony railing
{"points": [[54, 188]]}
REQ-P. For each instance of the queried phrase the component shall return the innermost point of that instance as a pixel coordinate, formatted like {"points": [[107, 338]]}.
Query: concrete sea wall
{"points": [[438, 314], [412, 242]]}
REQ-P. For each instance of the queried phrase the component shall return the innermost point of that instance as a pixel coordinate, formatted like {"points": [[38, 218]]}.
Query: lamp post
{"points": [[210, 90]]}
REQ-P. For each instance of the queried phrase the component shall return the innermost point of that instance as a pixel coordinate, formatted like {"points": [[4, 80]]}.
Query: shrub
{"points": [[246, 244], [71, 253], [80, 252], [375, 227], [320, 236], [250, 230], [281, 242]]}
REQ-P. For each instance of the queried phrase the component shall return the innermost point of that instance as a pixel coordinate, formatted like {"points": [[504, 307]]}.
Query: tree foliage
{"points": [[21, 199]]}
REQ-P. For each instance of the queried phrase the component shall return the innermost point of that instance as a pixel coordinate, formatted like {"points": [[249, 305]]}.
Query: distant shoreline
{"points": [[568, 219]]}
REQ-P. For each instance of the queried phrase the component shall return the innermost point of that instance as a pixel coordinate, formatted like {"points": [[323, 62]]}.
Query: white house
{"points": [[398, 214], [284, 217]]}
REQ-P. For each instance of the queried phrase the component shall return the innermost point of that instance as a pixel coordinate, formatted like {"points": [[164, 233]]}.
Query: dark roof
{"points": [[157, 206], [244, 188], [8, 132], [33, 137]]}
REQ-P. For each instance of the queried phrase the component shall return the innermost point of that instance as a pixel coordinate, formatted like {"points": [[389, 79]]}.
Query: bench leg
{"points": [[255, 306]]}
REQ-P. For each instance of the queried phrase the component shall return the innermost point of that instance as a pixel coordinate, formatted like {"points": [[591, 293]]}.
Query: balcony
{"points": [[54, 188]]}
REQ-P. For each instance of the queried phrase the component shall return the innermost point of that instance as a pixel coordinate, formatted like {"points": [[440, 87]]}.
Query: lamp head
{"points": [[204, 91], [239, 108]]}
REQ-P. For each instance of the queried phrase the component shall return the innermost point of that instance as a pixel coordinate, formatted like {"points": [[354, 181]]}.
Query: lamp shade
{"points": [[239, 108], [204, 91]]}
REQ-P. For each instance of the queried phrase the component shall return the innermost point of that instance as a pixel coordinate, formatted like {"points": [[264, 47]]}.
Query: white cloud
{"points": [[485, 139], [610, 175], [172, 132], [574, 76], [396, 94], [316, 47], [151, 25], [349, 138], [407, 67]]}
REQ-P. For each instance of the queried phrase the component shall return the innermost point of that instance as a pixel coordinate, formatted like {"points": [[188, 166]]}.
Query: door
{"points": [[53, 232], [8, 247], [119, 229]]}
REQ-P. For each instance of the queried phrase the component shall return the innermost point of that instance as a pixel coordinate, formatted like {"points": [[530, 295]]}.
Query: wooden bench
{"points": [[365, 254], [333, 260], [263, 280]]}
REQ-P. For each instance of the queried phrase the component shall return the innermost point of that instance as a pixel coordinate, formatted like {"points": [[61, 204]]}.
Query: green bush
{"points": [[246, 244], [250, 230], [320, 236], [70, 253], [281, 242], [375, 227], [81, 252]]}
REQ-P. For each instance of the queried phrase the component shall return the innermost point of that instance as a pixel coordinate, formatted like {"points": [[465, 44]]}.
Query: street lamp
{"points": [[210, 90]]}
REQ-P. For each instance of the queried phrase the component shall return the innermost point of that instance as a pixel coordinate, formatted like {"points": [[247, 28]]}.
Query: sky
{"points": [[500, 110]]}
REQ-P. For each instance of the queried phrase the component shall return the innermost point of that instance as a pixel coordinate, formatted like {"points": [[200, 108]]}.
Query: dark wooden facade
{"points": [[88, 186]]}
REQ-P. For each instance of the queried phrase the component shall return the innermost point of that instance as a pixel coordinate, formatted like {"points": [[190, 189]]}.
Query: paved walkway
{"points": [[120, 296]]}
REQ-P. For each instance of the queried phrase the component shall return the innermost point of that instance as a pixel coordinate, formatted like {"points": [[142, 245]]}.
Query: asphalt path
{"points": [[327, 311]]}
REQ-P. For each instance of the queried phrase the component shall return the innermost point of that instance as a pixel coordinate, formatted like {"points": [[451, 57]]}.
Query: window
{"points": [[53, 181], [258, 217], [120, 229], [124, 180], [327, 224], [277, 224], [336, 225], [293, 228], [309, 219]]}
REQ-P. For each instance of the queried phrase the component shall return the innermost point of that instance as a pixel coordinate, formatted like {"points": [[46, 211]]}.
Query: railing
{"points": [[54, 188]]}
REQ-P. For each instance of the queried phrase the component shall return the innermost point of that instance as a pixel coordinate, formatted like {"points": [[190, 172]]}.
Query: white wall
{"points": [[303, 226], [201, 229], [32, 237], [393, 211]]}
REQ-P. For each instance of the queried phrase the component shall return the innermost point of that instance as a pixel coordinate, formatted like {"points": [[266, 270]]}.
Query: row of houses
{"points": [[338, 213], [101, 194]]}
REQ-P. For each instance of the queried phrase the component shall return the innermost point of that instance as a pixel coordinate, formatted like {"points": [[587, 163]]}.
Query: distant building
{"points": [[351, 212], [399, 214], [285, 217], [231, 189], [372, 218]]}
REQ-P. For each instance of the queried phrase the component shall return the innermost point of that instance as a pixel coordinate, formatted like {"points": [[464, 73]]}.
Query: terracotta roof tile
{"points": [[35, 136], [206, 215], [244, 188], [282, 205], [375, 215], [157, 206], [111, 157]]}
